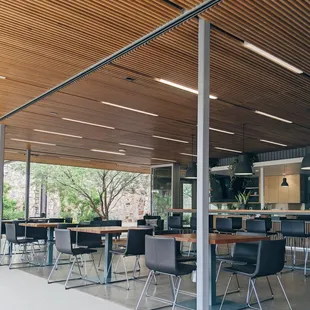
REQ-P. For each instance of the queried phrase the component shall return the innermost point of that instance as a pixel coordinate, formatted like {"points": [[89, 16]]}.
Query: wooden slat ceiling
{"points": [[45, 43]]}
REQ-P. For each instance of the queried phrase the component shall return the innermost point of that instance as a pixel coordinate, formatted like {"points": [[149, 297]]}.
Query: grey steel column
{"points": [[28, 156], [204, 294], [262, 188], [2, 132]]}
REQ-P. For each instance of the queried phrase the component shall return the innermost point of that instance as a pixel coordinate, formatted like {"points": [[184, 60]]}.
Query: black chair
{"points": [[135, 247], [225, 225], [270, 261], [260, 226], [56, 220], [149, 220], [180, 257], [64, 246], [175, 222], [69, 220], [97, 219], [193, 223], [14, 240], [160, 257], [243, 253], [73, 233], [236, 222], [296, 229]]}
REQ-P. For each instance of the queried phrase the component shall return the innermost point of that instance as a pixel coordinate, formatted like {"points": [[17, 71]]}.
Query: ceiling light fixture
{"points": [[86, 123], [271, 57], [108, 152], [191, 90], [170, 139], [284, 181], [272, 142], [222, 131], [163, 159], [137, 146], [35, 142], [126, 108], [228, 150], [305, 164], [244, 165], [2, 77], [187, 154], [274, 117], [122, 150], [57, 133]]}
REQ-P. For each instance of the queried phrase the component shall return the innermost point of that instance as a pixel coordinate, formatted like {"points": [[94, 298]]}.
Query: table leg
{"points": [[50, 249], [212, 275], [107, 257]]}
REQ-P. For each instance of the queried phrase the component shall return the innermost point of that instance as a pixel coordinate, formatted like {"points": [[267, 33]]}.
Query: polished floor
{"points": [[296, 285]]}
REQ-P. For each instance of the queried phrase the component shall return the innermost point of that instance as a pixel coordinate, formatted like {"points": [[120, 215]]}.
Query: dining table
{"points": [[215, 239]]}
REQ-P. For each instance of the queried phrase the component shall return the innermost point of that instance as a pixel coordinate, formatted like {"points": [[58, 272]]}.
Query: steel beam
{"points": [[27, 193], [132, 46], [205, 290], [2, 136]]}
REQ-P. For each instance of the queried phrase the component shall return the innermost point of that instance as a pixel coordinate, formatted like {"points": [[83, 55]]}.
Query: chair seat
{"points": [[79, 251], [183, 259], [184, 269], [24, 240], [297, 236], [247, 269], [118, 251], [232, 260], [89, 245]]}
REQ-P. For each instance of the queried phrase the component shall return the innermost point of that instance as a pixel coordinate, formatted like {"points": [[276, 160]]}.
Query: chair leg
{"points": [[255, 292], [96, 270], [270, 288], [218, 271], [306, 256], [238, 284], [147, 284], [178, 284], [70, 272], [3, 252], [100, 257], [126, 274], [54, 268], [106, 279], [136, 266], [226, 290], [284, 293], [116, 265], [248, 296], [172, 286]]}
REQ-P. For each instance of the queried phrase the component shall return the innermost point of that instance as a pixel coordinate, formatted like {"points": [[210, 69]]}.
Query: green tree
{"points": [[10, 210]]}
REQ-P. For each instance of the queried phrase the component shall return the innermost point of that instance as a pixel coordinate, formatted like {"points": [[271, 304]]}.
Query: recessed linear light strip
{"points": [[273, 116], [137, 146], [271, 57], [86, 123], [187, 154], [126, 108], [35, 142], [2, 77], [108, 152], [57, 133], [170, 139], [228, 150], [222, 131], [272, 142], [163, 159], [191, 90]]}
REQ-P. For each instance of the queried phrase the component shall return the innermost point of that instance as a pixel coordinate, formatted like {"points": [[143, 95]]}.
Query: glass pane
{"points": [[187, 196], [161, 191]]}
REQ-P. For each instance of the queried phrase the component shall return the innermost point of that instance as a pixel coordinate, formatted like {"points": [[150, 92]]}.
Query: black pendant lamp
{"points": [[284, 181], [191, 172], [244, 166], [305, 164]]}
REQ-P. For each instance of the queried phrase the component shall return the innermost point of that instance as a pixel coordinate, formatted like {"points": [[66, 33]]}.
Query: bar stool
{"points": [[296, 229]]}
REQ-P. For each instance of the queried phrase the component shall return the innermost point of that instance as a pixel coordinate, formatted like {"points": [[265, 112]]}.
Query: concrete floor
{"points": [[296, 285]]}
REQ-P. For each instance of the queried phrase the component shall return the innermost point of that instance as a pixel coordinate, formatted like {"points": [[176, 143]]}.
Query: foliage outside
{"points": [[10, 210]]}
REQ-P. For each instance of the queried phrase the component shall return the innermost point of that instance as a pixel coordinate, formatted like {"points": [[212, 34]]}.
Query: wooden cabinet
{"points": [[275, 193]]}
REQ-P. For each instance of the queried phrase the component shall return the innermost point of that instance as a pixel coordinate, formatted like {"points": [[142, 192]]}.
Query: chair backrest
{"points": [[169, 232], [193, 223], [11, 235], [224, 224], [268, 223], [236, 222], [151, 217], [256, 226], [37, 233], [174, 222], [56, 220], [160, 254], [68, 220], [136, 241], [88, 239], [247, 251], [270, 257], [96, 219], [20, 230], [63, 241], [292, 228], [73, 233]]}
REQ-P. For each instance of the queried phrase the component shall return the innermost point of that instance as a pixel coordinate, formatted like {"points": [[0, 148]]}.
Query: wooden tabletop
{"points": [[41, 225], [215, 238], [104, 230]]}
